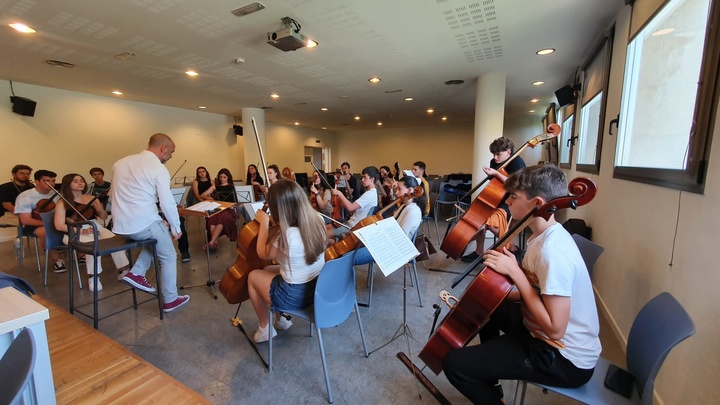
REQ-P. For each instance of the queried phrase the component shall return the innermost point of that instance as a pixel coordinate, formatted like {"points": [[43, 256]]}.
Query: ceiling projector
{"points": [[287, 39]]}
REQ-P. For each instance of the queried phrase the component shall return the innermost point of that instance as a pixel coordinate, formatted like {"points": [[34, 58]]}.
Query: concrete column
{"points": [[251, 151], [489, 116]]}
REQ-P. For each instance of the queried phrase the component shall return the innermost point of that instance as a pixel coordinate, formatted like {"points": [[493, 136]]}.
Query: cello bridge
{"points": [[446, 297]]}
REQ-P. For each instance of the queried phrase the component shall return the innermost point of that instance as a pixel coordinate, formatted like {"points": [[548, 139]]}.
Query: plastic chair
{"points": [[589, 251], [413, 283], [335, 299], [53, 240], [21, 257], [443, 198], [98, 248], [659, 326], [16, 367]]}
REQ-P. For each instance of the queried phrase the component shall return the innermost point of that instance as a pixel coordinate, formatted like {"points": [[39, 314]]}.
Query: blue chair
{"points": [[16, 367], [335, 299], [53, 240], [21, 257], [443, 198], [659, 326], [589, 251]]}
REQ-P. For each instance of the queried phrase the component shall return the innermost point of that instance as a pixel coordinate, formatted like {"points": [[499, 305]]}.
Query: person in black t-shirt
{"points": [[9, 191]]}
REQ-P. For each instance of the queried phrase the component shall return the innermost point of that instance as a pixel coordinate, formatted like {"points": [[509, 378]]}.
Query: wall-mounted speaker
{"points": [[565, 95], [238, 130], [23, 106]]}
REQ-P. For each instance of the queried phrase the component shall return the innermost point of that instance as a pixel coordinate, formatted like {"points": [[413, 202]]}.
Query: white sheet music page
{"points": [[204, 206], [388, 244]]}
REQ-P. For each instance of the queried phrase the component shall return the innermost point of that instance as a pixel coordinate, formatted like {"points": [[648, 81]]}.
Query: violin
{"points": [[489, 288], [44, 205], [83, 212], [486, 202], [288, 173], [350, 241]]}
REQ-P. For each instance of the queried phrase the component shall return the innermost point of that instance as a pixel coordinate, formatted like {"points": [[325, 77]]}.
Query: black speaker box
{"points": [[238, 129], [23, 106], [565, 95]]}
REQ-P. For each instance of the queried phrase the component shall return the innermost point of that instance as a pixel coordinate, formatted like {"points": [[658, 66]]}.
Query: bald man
{"points": [[139, 182]]}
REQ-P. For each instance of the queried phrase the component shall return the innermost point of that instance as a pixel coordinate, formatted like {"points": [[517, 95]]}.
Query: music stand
{"points": [[205, 214], [404, 328]]}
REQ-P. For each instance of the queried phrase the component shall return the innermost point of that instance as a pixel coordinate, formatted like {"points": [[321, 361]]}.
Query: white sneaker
{"points": [[283, 323], [91, 284], [261, 335]]}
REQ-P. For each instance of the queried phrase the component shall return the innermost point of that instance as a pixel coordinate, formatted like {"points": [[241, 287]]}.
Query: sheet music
{"points": [[388, 244], [251, 208], [204, 206]]}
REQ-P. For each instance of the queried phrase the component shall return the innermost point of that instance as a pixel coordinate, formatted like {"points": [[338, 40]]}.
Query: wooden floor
{"points": [[90, 368]]}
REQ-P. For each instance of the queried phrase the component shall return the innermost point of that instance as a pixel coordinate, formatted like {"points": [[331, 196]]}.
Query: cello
{"points": [[489, 288], [234, 283], [472, 220]]}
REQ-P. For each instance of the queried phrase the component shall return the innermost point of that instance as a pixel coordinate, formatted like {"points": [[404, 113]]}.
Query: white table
{"points": [[20, 311]]}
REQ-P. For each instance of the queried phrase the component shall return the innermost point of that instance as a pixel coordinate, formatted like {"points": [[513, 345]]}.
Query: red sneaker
{"points": [[179, 301], [138, 282]]}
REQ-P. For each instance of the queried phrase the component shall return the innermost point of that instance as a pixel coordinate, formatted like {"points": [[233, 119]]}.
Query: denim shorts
{"points": [[291, 296]]}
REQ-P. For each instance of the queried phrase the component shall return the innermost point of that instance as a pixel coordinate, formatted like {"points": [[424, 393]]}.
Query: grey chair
{"points": [[16, 367], [101, 247], [659, 326], [589, 251], [443, 198], [335, 300], [21, 257], [53, 240]]}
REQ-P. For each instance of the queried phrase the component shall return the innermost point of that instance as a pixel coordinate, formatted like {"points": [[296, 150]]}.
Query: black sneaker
{"points": [[470, 257], [185, 257], [59, 266], [81, 261], [500, 392]]}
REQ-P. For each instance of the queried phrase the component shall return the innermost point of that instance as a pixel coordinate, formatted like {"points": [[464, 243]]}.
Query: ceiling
{"points": [[414, 46]]}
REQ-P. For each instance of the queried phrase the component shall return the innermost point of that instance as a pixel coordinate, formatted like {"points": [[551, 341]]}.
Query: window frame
{"points": [[605, 43], [692, 178], [570, 141]]}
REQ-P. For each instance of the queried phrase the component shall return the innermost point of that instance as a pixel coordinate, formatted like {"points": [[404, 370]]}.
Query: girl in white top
{"points": [[297, 243]]}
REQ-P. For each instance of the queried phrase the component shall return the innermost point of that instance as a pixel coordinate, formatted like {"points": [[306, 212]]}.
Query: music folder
{"points": [[388, 244]]}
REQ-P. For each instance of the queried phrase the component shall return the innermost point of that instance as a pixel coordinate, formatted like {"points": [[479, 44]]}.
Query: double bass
{"points": [[234, 283], [489, 288], [472, 220]]}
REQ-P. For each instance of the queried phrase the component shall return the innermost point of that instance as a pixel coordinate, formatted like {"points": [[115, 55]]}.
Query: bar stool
{"points": [[98, 248]]}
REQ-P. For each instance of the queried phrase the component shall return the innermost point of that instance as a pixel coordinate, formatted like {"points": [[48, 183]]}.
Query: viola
{"points": [[350, 241], [44, 205], [472, 220], [489, 288]]}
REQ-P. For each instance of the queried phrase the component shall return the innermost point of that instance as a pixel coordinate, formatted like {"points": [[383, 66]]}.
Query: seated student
{"points": [[224, 223], [550, 322], [199, 186], [11, 190], [99, 186], [386, 184], [321, 195], [297, 243], [418, 170], [73, 189], [348, 182], [408, 215], [254, 179], [39, 199], [360, 208], [273, 173]]}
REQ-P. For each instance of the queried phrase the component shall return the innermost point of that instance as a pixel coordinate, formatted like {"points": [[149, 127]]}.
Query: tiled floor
{"points": [[200, 347]]}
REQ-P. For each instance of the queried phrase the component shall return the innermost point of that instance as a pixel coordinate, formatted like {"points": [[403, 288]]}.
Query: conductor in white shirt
{"points": [[139, 182]]}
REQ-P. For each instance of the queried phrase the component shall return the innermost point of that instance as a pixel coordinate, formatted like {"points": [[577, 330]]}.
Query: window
{"points": [[596, 74], [566, 142], [669, 98]]}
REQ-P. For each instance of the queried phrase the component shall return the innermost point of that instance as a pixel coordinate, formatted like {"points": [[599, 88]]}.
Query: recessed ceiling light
{"points": [[379, 124], [357, 118], [311, 44], [297, 123], [454, 82], [444, 118], [546, 51], [22, 28], [534, 100], [663, 32], [430, 111], [202, 107], [374, 80], [323, 108], [409, 99], [117, 92], [191, 73], [324, 127], [531, 111], [274, 95], [538, 83]]}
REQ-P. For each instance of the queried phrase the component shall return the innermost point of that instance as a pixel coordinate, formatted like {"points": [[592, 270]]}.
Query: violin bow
{"points": [[337, 222], [262, 156], [176, 171], [68, 202], [327, 183]]}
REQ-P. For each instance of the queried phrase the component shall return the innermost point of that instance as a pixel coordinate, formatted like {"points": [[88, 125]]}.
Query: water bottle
{"points": [[17, 246]]}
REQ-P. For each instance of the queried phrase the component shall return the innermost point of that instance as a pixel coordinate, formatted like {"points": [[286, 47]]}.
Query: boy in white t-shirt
{"points": [[361, 207], [550, 321]]}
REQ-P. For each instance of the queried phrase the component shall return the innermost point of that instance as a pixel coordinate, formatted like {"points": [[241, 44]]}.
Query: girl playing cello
{"points": [[297, 242]]}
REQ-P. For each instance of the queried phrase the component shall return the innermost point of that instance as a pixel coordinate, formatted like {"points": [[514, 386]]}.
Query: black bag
{"points": [[578, 226], [425, 247]]}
